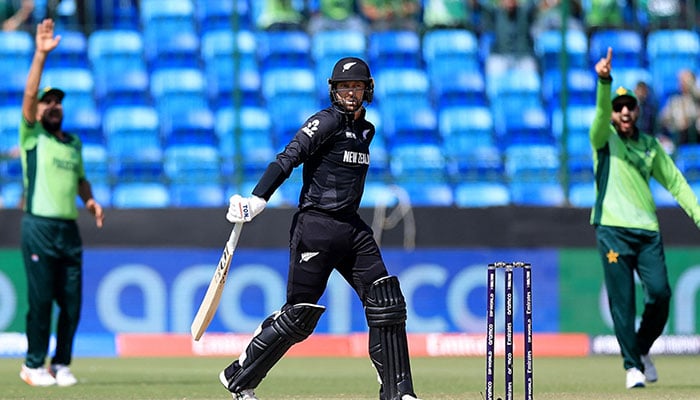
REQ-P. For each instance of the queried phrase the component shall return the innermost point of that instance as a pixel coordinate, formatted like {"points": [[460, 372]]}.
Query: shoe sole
{"points": [[29, 382]]}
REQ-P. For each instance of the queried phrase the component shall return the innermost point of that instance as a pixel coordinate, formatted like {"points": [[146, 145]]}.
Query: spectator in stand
{"points": [[278, 15], [336, 14], [392, 14], [511, 45], [648, 112], [447, 14], [548, 16], [604, 14], [679, 115], [16, 16]]}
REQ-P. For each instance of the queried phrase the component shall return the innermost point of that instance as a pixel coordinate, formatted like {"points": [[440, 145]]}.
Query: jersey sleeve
{"points": [[667, 174], [317, 129], [27, 135], [600, 129]]}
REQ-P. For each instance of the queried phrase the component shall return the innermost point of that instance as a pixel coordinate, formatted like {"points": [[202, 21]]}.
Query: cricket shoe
{"points": [[36, 376], [635, 378], [63, 375], [245, 394], [409, 397], [649, 369]]}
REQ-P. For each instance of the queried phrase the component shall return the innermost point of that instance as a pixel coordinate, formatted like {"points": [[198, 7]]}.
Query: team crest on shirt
{"points": [[311, 128], [350, 135]]}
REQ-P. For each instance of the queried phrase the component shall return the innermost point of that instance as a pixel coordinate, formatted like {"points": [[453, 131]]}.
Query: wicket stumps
{"points": [[491, 328]]}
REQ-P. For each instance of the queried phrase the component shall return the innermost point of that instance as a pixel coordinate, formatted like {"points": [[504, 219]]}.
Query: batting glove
{"points": [[244, 209]]}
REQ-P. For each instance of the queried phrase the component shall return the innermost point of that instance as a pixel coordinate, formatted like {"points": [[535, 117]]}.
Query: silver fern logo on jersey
{"points": [[311, 128]]}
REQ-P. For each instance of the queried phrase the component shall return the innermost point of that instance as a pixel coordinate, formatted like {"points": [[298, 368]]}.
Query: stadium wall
{"points": [[147, 271]]}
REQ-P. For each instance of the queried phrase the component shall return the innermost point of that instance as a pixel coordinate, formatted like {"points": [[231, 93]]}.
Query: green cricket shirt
{"points": [[623, 167], [51, 171]]}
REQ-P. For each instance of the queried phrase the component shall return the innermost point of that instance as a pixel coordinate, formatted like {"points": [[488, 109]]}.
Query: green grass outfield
{"points": [[597, 377]]}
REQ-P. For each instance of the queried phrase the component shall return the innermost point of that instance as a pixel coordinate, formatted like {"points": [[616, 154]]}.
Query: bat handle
{"points": [[235, 234]]}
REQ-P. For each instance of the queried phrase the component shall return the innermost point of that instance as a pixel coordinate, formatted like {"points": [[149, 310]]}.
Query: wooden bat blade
{"points": [[210, 303]]}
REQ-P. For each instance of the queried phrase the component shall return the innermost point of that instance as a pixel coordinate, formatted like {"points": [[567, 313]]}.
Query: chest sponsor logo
{"points": [[354, 157]]}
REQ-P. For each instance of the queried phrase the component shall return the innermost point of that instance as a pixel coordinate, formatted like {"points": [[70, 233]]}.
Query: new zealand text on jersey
{"points": [[354, 157]]}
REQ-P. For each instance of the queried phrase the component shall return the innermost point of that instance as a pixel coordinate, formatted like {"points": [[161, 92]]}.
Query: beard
{"points": [[51, 126]]}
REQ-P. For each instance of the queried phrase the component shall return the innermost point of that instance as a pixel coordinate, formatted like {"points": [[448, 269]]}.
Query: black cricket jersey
{"points": [[334, 149]]}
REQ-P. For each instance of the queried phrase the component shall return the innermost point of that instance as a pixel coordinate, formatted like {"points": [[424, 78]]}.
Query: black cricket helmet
{"points": [[351, 69]]}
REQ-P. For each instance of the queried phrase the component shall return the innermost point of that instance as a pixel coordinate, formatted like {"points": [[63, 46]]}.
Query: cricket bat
{"points": [[210, 303]]}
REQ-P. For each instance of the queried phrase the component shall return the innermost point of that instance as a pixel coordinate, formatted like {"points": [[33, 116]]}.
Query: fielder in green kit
{"points": [[54, 176], [625, 221]]}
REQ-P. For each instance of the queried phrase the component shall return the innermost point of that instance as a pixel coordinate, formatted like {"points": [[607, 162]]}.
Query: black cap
{"points": [[350, 69], [60, 94]]}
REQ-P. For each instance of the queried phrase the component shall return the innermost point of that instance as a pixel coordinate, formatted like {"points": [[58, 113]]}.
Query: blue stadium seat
{"points": [[378, 194], [688, 161], [290, 92], [481, 194], [254, 144], [446, 52], [86, 122], [122, 87], [473, 161], [215, 14], [179, 48], [12, 87], [627, 45], [394, 48], [462, 87], [96, 162], [337, 44], [580, 87], [11, 194], [538, 194], [77, 82], [417, 125], [222, 43], [197, 194], [169, 33], [192, 162], [71, 51], [140, 195], [284, 49], [10, 117], [629, 77], [101, 191], [194, 125], [16, 50], [133, 139], [527, 125], [417, 162], [327, 47], [669, 51], [532, 162], [379, 159], [548, 47], [582, 194], [176, 90], [220, 63], [399, 91], [124, 46], [473, 121], [429, 194]]}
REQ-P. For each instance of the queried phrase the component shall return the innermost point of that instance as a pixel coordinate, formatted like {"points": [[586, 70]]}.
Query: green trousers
{"points": [[623, 252], [52, 252]]}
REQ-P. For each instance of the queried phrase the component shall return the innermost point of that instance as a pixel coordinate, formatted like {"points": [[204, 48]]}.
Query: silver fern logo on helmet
{"points": [[347, 66]]}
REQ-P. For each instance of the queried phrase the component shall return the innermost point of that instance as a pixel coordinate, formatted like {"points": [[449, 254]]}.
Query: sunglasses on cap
{"points": [[619, 105]]}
